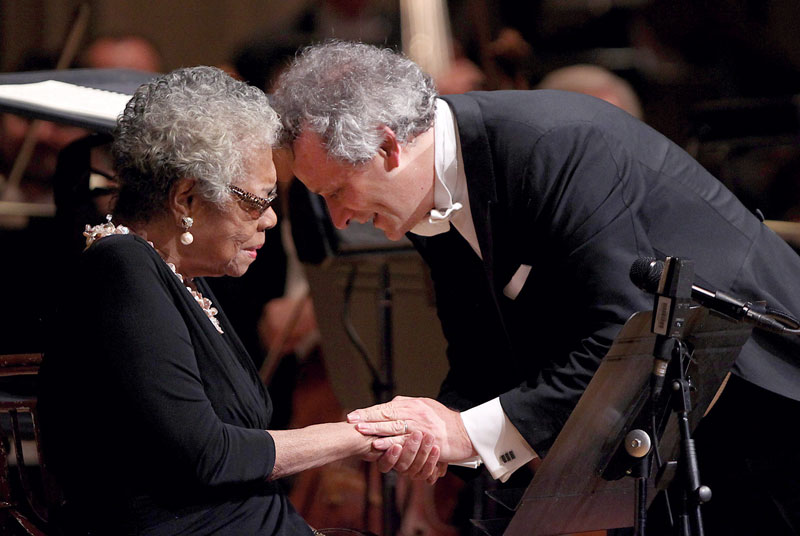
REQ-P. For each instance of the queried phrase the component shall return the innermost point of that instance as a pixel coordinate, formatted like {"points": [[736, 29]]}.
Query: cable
{"points": [[790, 323]]}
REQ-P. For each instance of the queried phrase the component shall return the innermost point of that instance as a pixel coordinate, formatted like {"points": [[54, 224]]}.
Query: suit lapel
{"points": [[481, 185], [480, 177]]}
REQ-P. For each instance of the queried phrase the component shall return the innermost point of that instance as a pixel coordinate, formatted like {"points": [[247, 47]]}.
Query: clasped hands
{"points": [[419, 436]]}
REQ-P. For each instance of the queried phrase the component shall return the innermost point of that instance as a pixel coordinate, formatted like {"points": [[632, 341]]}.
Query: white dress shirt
{"points": [[498, 443]]}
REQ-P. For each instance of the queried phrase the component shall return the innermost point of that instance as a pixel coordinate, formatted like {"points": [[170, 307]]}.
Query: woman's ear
{"points": [[183, 197], [390, 149]]}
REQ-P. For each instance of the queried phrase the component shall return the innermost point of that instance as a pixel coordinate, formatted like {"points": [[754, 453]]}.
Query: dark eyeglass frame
{"points": [[259, 204]]}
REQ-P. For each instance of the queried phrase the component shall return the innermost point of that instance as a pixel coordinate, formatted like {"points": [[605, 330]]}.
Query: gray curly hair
{"points": [[345, 91], [193, 122]]}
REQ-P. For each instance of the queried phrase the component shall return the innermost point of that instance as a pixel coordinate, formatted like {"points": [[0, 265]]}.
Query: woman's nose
{"points": [[268, 220]]}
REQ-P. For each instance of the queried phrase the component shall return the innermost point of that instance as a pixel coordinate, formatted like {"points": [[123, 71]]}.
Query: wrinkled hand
{"points": [[421, 429]]}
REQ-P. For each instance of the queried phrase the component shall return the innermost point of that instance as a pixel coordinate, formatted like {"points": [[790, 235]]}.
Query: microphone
{"points": [[646, 274], [673, 288]]}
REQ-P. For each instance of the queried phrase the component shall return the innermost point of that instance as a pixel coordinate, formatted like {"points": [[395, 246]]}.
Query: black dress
{"points": [[152, 420]]}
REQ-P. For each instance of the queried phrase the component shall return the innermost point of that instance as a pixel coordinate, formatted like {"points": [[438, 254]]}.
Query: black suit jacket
{"points": [[578, 189]]}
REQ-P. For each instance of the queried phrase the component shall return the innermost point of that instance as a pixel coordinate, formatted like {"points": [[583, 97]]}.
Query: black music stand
{"points": [[569, 492], [47, 236]]}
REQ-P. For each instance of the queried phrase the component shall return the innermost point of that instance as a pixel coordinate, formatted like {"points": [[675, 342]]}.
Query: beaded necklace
{"points": [[96, 232]]}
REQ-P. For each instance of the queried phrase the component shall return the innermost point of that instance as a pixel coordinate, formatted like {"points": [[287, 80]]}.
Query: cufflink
{"points": [[507, 456]]}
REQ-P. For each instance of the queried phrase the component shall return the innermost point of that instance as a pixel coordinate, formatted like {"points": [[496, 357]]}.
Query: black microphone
{"points": [[646, 274]]}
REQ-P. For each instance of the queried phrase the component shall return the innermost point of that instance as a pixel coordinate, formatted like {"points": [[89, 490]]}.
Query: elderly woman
{"points": [[154, 417]]}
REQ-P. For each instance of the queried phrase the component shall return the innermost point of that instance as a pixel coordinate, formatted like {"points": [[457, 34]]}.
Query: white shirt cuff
{"points": [[498, 443]]}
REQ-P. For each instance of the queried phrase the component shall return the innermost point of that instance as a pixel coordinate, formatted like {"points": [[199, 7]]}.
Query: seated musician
{"points": [[154, 418]]}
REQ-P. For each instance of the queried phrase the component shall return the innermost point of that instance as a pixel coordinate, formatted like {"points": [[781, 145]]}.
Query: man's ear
{"points": [[182, 198], [390, 149]]}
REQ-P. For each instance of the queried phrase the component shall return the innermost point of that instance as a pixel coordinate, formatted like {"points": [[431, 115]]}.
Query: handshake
{"points": [[418, 437]]}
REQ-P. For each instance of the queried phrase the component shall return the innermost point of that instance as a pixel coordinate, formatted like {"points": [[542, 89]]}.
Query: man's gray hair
{"points": [[195, 122], [345, 92]]}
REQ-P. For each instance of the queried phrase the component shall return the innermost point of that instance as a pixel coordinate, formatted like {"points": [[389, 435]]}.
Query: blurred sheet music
{"points": [[70, 98]]}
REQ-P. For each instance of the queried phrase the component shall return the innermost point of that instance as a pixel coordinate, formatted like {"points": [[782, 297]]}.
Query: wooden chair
{"points": [[22, 509]]}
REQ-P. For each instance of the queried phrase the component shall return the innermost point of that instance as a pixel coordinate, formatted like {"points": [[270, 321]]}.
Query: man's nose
{"points": [[339, 216]]}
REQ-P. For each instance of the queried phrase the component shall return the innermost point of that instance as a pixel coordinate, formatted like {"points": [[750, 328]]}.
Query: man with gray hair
{"points": [[530, 207]]}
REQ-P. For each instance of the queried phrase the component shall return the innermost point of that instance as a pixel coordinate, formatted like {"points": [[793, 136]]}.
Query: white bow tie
{"points": [[437, 222]]}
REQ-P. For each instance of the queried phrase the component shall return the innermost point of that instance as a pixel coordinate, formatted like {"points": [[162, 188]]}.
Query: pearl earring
{"points": [[187, 237]]}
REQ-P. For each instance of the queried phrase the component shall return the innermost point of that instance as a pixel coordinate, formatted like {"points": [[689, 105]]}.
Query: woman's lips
{"points": [[253, 250]]}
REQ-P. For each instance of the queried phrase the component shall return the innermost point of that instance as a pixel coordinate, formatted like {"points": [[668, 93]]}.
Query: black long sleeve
{"points": [[171, 414]]}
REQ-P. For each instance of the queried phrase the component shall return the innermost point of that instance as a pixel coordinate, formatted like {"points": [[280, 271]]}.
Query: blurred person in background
{"points": [[127, 51], [596, 81]]}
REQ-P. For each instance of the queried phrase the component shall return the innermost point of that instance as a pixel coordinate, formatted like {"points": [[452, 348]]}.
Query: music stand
{"points": [[569, 493], [330, 256], [44, 231]]}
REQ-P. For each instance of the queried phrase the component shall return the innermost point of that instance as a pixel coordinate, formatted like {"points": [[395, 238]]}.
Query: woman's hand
{"points": [[415, 455]]}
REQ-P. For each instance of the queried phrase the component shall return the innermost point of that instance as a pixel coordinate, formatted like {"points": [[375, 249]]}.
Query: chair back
{"points": [[25, 486]]}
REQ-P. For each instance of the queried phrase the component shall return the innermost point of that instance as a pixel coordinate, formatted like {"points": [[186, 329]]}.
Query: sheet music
{"points": [[69, 98]]}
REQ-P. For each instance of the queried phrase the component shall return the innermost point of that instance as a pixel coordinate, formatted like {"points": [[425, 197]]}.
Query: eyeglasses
{"points": [[258, 205]]}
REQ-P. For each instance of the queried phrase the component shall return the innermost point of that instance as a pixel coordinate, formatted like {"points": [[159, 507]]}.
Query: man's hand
{"points": [[424, 427]]}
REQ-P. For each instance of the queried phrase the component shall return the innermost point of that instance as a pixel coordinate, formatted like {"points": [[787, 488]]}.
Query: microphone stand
{"points": [[671, 354], [693, 494], [383, 383], [384, 391]]}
